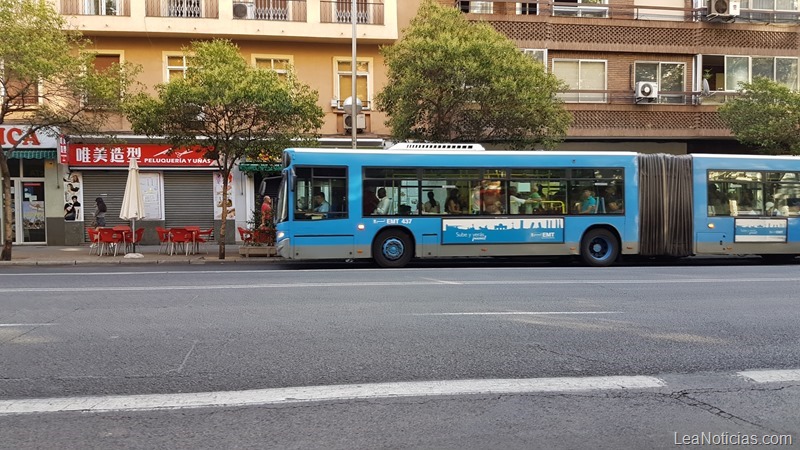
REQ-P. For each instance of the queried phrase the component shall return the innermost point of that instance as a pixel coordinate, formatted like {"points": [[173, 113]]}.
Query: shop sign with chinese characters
{"points": [[148, 155]]}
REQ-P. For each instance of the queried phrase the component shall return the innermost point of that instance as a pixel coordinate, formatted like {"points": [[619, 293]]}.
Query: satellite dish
{"points": [[706, 90], [348, 106]]}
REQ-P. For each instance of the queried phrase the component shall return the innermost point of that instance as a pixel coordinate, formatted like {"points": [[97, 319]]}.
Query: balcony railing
{"points": [[96, 7], [195, 9], [277, 10], [627, 97], [339, 11], [770, 11]]}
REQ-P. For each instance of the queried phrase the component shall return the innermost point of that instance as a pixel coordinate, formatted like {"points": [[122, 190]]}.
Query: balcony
{"points": [[96, 7], [196, 9], [339, 11], [274, 10], [752, 11], [307, 20]]}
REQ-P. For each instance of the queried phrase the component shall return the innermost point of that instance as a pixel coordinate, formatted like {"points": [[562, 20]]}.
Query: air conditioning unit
{"points": [[361, 121], [244, 10], [646, 91], [725, 8]]}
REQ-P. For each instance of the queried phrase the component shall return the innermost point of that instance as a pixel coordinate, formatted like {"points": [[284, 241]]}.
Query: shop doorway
{"points": [[27, 201], [28, 218]]}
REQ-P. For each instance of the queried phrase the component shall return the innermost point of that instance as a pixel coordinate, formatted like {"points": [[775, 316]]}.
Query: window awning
{"points": [[259, 167], [33, 154]]}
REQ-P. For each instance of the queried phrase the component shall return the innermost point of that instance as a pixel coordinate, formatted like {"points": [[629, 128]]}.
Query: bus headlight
{"points": [[280, 235]]}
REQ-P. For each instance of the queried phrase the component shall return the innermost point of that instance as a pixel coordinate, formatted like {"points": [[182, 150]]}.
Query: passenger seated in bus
{"points": [[431, 206], [717, 201], [588, 203], [613, 201], [384, 203], [772, 210], [495, 207], [453, 205], [370, 201]]}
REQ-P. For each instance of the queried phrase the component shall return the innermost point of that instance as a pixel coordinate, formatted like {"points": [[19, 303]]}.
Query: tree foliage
{"points": [[228, 110], [453, 80], [49, 83], [765, 115]]}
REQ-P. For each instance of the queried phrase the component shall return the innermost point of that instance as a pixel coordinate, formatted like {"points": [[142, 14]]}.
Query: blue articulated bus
{"points": [[459, 200]]}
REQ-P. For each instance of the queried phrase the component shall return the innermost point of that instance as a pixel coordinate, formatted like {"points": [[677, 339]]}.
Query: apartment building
{"points": [[649, 75], [314, 37]]}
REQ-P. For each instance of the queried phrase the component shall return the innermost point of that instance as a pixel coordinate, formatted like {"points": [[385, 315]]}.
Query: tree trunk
{"points": [[7, 208], [225, 172]]}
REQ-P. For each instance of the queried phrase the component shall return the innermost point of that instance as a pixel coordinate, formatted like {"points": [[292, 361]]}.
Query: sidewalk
{"points": [[42, 255]]}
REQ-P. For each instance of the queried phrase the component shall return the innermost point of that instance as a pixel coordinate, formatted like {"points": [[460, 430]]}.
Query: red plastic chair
{"points": [[110, 238], [94, 238], [137, 237], [203, 236], [163, 238], [180, 237], [246, 235]]}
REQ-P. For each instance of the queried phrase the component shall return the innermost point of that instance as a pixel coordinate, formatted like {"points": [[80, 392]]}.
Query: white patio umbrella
{"points": [[132, 204]]}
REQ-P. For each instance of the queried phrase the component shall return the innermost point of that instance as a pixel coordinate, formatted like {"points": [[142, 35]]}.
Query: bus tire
{"points": [[392, 248], [599, 248]]}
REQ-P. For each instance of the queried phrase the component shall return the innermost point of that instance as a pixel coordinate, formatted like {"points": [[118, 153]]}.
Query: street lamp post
{"points": [[353, 72]]}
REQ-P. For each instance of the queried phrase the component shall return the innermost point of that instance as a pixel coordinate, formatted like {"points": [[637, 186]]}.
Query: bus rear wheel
{"points": [[599, 248], [392, 248]]}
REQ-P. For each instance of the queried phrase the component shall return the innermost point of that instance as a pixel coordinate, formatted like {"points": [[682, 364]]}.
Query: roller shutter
{"points": [[188, 199], [108, 184]]}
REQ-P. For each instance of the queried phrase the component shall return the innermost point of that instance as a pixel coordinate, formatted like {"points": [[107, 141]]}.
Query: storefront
{"points": [[34, 195], [179, 188]]}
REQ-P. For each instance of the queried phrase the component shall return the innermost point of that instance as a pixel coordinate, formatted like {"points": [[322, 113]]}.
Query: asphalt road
{"points": [[686, 331]]}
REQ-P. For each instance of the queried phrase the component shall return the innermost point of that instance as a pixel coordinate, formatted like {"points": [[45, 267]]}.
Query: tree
{"points": [[453, 80], [228, 110], [48, 83], [765, 115]]}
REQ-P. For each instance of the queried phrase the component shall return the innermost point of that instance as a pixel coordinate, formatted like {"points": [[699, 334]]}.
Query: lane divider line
{"points": [[517, 313], [771, 376], [281, 396]]}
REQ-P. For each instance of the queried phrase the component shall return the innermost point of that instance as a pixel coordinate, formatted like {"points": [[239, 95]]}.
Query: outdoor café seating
{"points": [[183, 238], [110, 238]]}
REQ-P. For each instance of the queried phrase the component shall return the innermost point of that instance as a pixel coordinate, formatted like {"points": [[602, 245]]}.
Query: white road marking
{"points": [[25, 324], [518, 313], [442, 281], [771, 376], [402, 283], [281, 396]]}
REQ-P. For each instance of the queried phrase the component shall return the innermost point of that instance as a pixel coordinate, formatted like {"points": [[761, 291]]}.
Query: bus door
{"points": [[320, 225], [715, 219]]}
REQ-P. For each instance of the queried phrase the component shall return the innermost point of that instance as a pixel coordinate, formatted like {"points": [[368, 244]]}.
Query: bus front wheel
{"points": [[392, 248], [599, 248]]}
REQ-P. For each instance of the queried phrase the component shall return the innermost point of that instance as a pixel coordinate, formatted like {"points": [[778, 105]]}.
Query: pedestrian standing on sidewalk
{"points": [[100, 212]]}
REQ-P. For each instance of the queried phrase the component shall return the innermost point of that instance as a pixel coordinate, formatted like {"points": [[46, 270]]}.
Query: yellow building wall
{"points": [[313, 64]]}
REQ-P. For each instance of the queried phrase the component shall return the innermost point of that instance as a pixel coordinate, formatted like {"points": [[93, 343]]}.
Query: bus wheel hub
{"points": [[393, 249]]}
